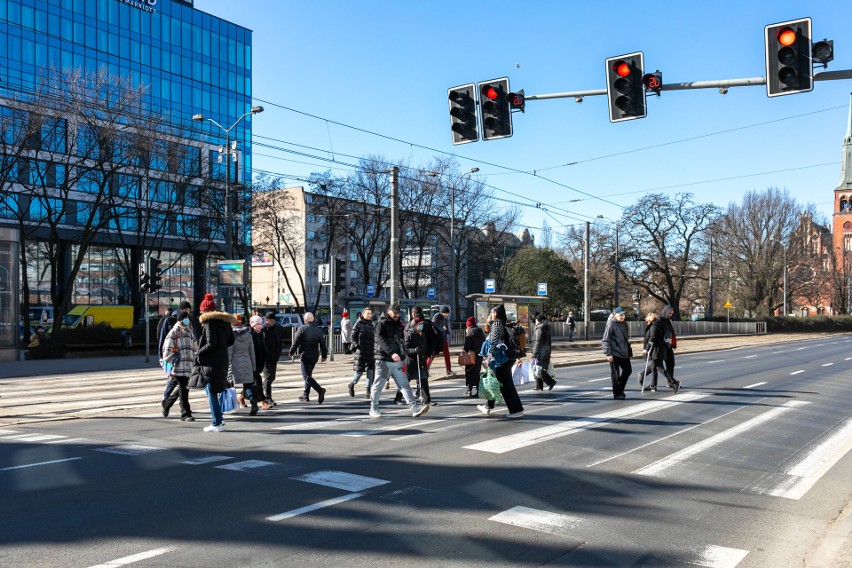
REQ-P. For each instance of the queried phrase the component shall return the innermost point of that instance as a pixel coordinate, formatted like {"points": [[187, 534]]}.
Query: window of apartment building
{"points": [[312, 234]]}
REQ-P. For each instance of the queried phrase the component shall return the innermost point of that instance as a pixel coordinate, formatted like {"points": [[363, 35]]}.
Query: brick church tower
{"points": [[842, 225]]}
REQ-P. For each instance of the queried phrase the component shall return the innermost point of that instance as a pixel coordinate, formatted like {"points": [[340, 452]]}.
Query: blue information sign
{"points": [[430, 293], [542, 288], [490, 286], [371, 290]]}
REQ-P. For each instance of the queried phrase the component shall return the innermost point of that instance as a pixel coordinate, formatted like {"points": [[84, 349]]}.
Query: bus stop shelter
{"points": [[518, 308]]}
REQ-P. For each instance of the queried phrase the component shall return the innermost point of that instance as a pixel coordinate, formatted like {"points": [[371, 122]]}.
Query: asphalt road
{"points": [[746, 466]]}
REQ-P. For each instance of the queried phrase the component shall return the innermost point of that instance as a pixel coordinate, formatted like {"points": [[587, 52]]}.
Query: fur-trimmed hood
{"points": [[225, 316]]}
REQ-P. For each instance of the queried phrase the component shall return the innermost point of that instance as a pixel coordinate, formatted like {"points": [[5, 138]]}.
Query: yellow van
{"points": [[119, 317]]}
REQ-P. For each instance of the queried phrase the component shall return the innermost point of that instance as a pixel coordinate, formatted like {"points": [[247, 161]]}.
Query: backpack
{"points": [[164, 327], [515, 336]]}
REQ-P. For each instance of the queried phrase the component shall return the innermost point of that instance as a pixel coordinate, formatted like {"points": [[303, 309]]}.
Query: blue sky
{"points": [[385, 67]]}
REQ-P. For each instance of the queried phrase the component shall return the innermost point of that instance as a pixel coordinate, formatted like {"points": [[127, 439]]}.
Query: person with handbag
{"points": [[179, 351], [210, 371], [541, 353], [503, 339], [242, 362], [472, 362]]}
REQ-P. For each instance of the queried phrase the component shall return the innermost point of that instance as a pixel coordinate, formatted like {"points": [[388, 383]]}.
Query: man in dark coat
{"points": [[273, 337], [256, 323], [310, 341], [211, 366], [364, 361], [541, 352], [441, 322], [616, 346]]}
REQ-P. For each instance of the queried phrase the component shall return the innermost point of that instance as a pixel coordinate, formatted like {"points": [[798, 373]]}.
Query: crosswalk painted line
{"points": [[405, 426], [130, 450], [245, 465], [536, 436], [34, 437], [749, 356], [755, 385], [7, 432], [538, 520], [826, 364], [28, 465], [318, 424], [713, 556], [65, 440], [341, 480], [204, 460], [314, 507], [662, 465], [134, 558], [797, 372], [804, 475]]}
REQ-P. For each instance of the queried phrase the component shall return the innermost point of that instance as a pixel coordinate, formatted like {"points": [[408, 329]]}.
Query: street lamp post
{"points": [[229, 250], [784, 250]]}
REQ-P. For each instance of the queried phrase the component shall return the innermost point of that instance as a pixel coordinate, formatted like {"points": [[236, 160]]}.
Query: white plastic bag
{"points": [[521, 374]]}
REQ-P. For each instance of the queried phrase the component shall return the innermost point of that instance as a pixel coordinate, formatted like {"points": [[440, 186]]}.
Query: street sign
{"points": [[371, 290], [324, 273], [490, 286], [542, 288], [430, 293], [728, 305]]}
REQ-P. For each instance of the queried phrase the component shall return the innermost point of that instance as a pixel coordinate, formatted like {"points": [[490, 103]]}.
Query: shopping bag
{"points": [[228, 400], [537, 369], [521, 374], [489, 387]]}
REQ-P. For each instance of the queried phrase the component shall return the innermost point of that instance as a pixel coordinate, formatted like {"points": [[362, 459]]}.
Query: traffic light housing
{"points": [[463, 124], [145, 282], [340, 275], [789, 67], [494, 109], [153, 273], [624, 89]]}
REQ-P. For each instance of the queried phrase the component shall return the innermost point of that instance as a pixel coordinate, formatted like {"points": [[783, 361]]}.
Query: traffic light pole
{"points": [[147, 332], [394, 238], [333, 265], [722, 85]]}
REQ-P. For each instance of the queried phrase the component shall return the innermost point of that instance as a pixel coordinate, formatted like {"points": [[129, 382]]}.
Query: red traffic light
{"points": [[786, 36], [490, 93], [621, 69]]}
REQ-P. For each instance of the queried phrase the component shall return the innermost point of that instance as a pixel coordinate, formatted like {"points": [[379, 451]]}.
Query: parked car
{"points": [[119, 317], [288, 320], [599, 315]]}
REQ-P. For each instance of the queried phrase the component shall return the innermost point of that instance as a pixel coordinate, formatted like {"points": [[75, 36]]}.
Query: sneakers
{"points": [[302, 398], [321, 396], [676, 386], [352, 390], [213, 428], [166, 408], [187, 418], [375, 414], [483, 408], [420, 411], [512, 415]]}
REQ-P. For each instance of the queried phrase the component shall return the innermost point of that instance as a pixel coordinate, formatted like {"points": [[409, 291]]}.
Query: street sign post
{"points": [[490, 286], [324, 273], [430, 293], [371, 290], [542, 288]]}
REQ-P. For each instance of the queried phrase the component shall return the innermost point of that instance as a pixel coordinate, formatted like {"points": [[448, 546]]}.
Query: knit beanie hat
{"points": [[471, 321], [207, 304], [256, 320], [185, 305]]}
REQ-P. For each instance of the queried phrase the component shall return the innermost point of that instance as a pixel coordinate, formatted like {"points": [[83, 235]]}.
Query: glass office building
{"points": [[186, 62]]}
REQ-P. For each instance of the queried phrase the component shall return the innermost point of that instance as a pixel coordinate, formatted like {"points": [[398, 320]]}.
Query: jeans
{"points": [[507, 388], [570, 333], [620, 370], [371, 376], [215, 408], [308, 375], [178, 384], [269, 370], [386, 370]]}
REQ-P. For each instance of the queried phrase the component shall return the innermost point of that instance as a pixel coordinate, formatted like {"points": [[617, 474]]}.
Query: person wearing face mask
{"points": [[179, 352]]}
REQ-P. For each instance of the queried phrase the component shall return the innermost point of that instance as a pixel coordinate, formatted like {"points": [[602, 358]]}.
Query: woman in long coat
{"points": [[242, 363], [473, 340], [211, 365], [541, 352], [363, 341]]}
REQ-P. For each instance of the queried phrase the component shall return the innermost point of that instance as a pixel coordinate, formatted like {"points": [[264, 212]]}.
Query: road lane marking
{"points": [[537, 520], [749, 356], [713, 556], [674, 434], [67, 441], [245, 465], [827, 364], [660, 466], [134, 558], [130, 450], [798, 349], [848, 359], [538, 435], [755, 385], [596, 380], [341, 480], [207, 459], [819, 460], [314, 507], [797, 372], [38, 464], [34, 437], [716, 361], [7, 432], [318, 424]]}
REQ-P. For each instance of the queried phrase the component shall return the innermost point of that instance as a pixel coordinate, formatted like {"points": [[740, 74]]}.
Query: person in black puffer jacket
{"points": [[273, 336], [364, 361], [211, 364], [473, 340], [310, 341], [541, 352], [256, 323]]}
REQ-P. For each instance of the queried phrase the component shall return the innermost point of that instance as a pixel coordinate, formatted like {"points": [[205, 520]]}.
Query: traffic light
{"points": [[145, 282], [822, 52], [653, 82], [462, 100], [517, 101], [154, 278], [340, 276], [789, 68], [494, 108], [624, 88]]}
